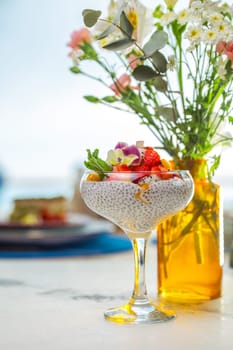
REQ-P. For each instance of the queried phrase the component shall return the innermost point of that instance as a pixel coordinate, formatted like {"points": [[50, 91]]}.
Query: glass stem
{"points": [[139, 295]]}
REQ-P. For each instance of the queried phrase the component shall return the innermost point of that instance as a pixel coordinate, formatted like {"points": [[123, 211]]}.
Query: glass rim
{"points": [[147, 172]]}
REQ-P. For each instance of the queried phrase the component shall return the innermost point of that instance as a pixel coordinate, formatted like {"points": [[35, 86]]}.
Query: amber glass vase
{"points": [[190, 244]]}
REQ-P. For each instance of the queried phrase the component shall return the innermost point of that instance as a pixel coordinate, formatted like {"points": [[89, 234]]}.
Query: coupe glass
{"points": [[137, 202]]}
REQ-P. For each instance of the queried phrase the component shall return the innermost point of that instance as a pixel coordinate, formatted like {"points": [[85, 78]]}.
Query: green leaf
{"points": [[97, 164], [90, 17], [92, 99], [160, 84], [157, 41], [230, 119], [215, 165], [144, 73], [119, 44], [169, 113], [159, 61], [125, 25], [109, 99], [109, 30], [75, 70]]}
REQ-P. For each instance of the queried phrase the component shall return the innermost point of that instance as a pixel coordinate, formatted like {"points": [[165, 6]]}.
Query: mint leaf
{"points": [[97, 164]]}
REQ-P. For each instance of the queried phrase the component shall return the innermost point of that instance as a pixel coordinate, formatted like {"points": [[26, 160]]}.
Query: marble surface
{"points": [[58, 304]]}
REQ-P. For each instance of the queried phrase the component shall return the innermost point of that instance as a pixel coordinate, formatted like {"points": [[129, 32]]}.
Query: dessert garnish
{"points": [[127, 158]]}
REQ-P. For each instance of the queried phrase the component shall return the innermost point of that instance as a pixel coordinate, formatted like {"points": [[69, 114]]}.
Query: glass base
{"points": [[138, 314], [185, 296]]}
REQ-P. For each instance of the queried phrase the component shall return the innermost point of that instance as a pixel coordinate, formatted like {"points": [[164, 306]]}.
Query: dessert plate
{"points": [[77, 229]]}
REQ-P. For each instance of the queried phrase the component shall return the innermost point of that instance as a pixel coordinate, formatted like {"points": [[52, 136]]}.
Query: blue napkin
{"points": [[100, 243]]}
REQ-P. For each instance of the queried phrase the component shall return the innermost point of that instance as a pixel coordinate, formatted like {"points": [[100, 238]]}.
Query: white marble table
{"points": [[58, 305]]}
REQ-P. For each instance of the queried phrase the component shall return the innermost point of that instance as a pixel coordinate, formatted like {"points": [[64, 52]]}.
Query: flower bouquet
{"points": [[173, 69]]}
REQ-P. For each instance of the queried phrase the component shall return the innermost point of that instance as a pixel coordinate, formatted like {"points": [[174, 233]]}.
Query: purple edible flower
{"points": [[121, 145], [130, 150]]}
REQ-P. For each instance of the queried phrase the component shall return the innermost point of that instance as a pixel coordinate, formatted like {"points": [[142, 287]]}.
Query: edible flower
{"points": [[125, 158]]}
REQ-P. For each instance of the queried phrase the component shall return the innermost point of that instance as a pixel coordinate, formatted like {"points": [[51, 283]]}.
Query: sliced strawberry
{"points": [[121, 167], [140, 168], [158, 168], [151, 157], [162, 172]]}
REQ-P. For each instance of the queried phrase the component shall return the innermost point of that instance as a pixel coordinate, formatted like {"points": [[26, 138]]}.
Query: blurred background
{"points": [[45, 124]]}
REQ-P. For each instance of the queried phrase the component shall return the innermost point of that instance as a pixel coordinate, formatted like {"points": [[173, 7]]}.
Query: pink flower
{"points": [[226, 49], [134, 61], [229, 50], [220, 47], [121, 84], [78, 37]]}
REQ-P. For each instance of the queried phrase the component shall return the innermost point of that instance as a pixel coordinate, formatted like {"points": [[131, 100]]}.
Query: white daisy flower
{"points": [[221, 28], [210, 36], [171, 64], [228, 35], [215, 17], [167, 18], [196, 5], [193, 34], [221, 69], [183, 16]]}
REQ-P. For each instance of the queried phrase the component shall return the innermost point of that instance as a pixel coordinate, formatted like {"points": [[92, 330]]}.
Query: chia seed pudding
{"points": [[138, 207]]}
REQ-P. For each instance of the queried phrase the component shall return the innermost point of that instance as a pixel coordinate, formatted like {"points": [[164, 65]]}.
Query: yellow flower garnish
{"points": [[166, 164], [93, 177], [116, 157]]}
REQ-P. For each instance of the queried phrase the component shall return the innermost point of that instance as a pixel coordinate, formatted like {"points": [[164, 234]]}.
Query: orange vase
{"points": [[190, 244]]}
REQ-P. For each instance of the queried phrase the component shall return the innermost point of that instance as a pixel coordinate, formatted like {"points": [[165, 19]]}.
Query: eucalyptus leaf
{"points": [[119, 44], [90, 17], [144, 73], [160, 84], [157, 41], [125, 25], [168, 113], [109, 30], [159, 61]]}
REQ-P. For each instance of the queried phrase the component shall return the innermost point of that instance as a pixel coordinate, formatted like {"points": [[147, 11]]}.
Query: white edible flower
{"points": [[167, 18]]}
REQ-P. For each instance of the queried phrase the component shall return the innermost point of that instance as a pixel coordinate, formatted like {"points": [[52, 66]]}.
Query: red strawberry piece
{"points": [[151, 157], [140, 168], [121, 167]]}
